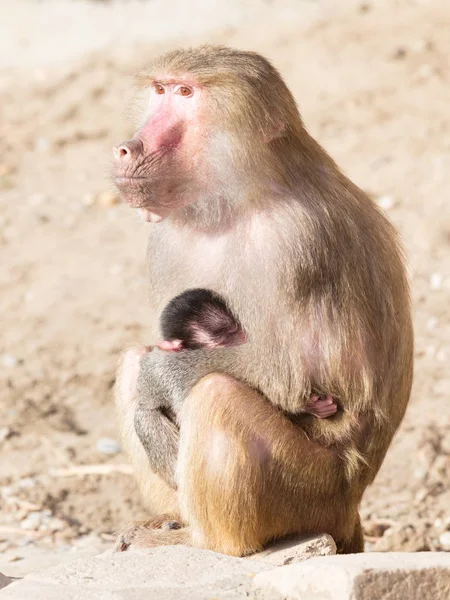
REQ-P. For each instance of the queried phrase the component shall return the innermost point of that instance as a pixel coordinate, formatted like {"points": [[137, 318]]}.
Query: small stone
{"points": [[26, 483], [42, 144], [419, 46], [425, 71], [431, 323], [115, 269], [32, 522], [385, 202], [108, 446], [436, 281], [420, 473], [54, 524], [441, 356], [9, 361], [5, 433], [399, 53], [29, 296], [6, 491], [107, 199], [444, 540], [35, 199], [88, 200], [4, 581]]}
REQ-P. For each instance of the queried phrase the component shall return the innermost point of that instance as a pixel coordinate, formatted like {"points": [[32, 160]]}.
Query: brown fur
{"points": [[316, 275]]}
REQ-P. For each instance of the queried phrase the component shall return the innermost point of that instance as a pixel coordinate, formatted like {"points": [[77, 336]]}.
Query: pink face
{"points": [[159, 169]]}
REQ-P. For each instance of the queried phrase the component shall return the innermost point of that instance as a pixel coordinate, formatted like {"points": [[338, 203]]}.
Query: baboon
{"points": [[245, 202]]}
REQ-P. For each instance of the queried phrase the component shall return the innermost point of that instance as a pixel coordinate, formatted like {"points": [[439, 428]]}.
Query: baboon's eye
{"points": [[159, 89], [183, 90]]}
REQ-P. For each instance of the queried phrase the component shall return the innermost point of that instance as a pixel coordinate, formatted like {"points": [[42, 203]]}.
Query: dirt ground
{"points": [[372, 81]]}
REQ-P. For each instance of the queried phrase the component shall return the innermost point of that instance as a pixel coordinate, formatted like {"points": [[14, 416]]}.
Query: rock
{"points": [[178, 572], [5, 433], [170, 572], [444, 540], [371, 576], [4, 581], [436, 281], [88, 200], [297, 549], [107, 445], [42, 144], [385, 202], [33, 521], [9, 361]]}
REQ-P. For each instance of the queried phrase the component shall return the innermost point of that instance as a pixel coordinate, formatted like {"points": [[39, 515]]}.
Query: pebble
{"points": [[29, 296], [42, 144], [88, 200], [400, 53], [444, 540], [115, 269], [420, 473], [9, 360], [425, 71], [436, 281], [108, 446], [26, 483], [35, 199], [42, 520], [441, 356], [385, 202], [32, 522], [5, 432], [431, 323], [54, 524]]}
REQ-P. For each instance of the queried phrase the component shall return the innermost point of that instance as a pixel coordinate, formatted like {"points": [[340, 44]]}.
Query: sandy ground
{"points": [[372, 81]]}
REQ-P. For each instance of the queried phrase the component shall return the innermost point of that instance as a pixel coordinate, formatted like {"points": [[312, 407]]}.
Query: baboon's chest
{"points": [[243, 271]]}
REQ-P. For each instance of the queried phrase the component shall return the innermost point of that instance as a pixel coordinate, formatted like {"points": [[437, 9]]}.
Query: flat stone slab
{"points": [[170, 572], [182, 573], [370, 576]]}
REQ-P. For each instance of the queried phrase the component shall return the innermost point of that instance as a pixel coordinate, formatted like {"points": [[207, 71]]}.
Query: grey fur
{"points": [[164, 382]]}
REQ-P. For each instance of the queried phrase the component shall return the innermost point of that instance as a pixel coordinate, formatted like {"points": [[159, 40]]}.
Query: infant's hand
{"points": [[170, 346]]}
